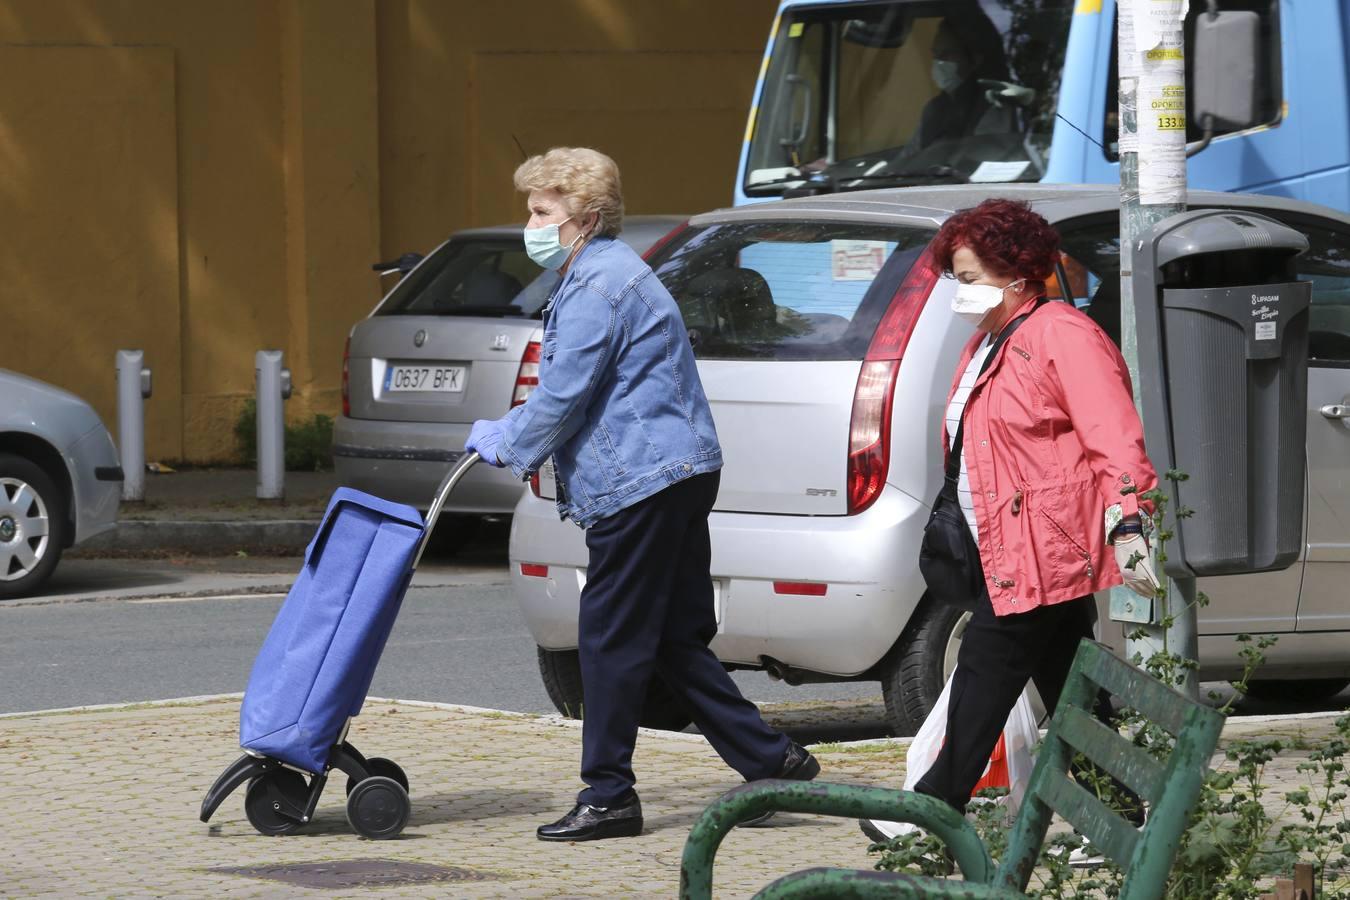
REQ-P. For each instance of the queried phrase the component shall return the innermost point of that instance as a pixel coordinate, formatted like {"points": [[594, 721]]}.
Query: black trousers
{"points": [[648, 608], [998, 654]]}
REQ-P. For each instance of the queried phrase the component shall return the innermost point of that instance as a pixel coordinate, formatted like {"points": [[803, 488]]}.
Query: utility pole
{"points": [[1152, 134]]}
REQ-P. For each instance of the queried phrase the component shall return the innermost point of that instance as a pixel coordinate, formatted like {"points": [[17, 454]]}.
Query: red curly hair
{"points": [[1008, 237]]}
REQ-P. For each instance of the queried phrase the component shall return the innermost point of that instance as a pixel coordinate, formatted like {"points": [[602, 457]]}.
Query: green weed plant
{"points": [[309, 444]]}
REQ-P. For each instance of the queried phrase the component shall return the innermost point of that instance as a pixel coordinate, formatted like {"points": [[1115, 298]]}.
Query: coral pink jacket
{"points": [[1051, 438]]}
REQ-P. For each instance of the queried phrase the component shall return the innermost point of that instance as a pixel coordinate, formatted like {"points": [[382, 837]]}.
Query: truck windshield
{"points": [[909, 92]]}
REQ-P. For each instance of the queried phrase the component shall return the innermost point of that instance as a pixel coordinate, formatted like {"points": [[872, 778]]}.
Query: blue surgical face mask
{"points": [[544, 247]]}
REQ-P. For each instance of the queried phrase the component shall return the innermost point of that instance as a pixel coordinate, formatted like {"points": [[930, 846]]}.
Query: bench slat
{"points": [[1112, 752], [1108, 832], [1155, 700]]}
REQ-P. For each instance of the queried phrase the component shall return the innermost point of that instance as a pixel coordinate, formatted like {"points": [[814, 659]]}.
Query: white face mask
{"points": [[946, 75], [973, 302]]}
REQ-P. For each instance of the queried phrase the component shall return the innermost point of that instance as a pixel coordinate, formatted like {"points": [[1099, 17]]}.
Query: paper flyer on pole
{"points": [[1161, 98]]}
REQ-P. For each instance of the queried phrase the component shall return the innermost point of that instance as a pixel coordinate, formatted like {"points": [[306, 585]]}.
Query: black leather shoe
{"points": [[594, 823], [798, 765]]}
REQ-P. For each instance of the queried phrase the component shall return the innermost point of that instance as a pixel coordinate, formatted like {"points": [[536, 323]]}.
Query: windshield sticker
{"points": [[856, 260], [795, 29], [990, 171]]}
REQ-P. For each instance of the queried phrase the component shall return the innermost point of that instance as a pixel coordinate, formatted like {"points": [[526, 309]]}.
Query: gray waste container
{"points": [[1223, 365]]}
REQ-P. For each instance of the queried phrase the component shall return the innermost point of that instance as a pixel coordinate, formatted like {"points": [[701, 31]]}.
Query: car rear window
{"points": [[473, 277], [786, 290]]}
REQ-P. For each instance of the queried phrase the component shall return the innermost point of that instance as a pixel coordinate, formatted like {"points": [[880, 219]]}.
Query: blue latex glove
{"points": [[485, 437]]}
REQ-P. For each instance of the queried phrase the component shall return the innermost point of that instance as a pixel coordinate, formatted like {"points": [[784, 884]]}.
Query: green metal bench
{"points": [[1169, 787]]}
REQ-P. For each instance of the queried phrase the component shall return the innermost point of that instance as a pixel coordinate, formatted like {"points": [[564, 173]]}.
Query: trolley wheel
{"points": [[378, 808], [378, 765], [260, 804]]}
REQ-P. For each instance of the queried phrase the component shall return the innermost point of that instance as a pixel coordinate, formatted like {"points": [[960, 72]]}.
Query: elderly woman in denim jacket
{"points": [[621, 410], [1052, 468]]}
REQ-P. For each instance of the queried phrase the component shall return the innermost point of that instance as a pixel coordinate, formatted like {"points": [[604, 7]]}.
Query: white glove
{"points": [[1135, 566], [1005, 93]]}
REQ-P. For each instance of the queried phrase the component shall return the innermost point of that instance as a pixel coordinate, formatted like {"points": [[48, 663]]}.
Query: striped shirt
{"points": [[954, 411]]}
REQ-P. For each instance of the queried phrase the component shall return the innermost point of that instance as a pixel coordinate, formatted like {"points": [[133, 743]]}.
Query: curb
{"points": [[274, 536]]}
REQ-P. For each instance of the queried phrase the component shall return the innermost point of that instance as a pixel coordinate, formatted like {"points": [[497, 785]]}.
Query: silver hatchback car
{"points": [[60, 480], [457, 339], [826, 353]]}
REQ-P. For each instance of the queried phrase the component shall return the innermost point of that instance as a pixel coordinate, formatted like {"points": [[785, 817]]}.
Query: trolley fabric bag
{"points": [[319, 657]]}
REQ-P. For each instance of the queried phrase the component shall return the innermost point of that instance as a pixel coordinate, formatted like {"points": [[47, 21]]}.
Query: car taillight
{"points": [[534, 485], [527, 379], [869, 433], [534, 570], [346, 379]]}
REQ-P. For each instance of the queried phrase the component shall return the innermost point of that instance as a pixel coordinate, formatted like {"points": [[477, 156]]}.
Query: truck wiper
{"points": [[826, 181], [953, 175], [772, 182]]}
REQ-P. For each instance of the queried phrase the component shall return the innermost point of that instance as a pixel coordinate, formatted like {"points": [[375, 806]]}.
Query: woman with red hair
{"points": [[1050, 471]]}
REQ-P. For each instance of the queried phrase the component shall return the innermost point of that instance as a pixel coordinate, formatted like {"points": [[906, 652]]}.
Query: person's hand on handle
{"points": [[1132, 556], [1006, 93], [484, 438]]}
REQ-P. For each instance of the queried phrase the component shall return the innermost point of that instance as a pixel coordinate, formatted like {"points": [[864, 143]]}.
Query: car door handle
{"points": [[1336, 411]]}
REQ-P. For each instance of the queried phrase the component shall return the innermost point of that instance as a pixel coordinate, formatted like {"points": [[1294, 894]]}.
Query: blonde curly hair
{"points": [[587, 179]]}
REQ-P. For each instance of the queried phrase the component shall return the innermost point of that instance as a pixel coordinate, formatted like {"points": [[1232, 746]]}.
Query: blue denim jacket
{"points": [[619, 405]]}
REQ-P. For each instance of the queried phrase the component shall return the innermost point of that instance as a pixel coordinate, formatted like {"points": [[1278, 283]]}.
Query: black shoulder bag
{"points": [[949, 557]]}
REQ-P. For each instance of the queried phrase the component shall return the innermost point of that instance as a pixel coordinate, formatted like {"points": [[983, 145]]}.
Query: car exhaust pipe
{"points": [[780, 671]]}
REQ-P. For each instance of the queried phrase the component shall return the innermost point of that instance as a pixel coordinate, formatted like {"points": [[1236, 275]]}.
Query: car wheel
{"points": [[561, 671], [913, 673], [33, 526], [1309, 689]]}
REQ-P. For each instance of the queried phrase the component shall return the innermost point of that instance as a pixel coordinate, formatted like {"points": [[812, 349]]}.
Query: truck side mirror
{"points": [[1227, 59]]}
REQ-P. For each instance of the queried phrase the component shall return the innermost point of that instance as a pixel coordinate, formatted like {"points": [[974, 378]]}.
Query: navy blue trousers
{"points": [[648, 608]]}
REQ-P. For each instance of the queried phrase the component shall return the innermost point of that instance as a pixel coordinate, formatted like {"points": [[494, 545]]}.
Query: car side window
{"points": [[1327, 265], [1091, 265]]}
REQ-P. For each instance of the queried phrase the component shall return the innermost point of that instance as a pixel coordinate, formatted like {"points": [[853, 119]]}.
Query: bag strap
{"points": [[954, 454]]}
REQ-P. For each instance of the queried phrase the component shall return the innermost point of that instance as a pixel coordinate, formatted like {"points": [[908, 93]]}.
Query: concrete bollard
{"points": [[133, 389], [274, 388]]}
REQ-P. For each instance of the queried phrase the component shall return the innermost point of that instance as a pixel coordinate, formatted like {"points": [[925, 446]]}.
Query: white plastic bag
{"points": [[1009, 766]]}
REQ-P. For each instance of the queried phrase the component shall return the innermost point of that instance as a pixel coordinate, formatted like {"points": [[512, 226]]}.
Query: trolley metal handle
{"points": [[448, 483]]}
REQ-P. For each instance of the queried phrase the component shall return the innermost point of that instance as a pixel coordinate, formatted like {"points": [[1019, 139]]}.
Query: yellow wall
{"points": [[204, 179]]}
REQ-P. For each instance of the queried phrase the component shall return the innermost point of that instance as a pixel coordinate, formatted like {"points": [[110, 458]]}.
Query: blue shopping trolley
{"points": [[315, 667]]}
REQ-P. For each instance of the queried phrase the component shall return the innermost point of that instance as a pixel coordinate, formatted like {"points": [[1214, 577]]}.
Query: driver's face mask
{"points": [[947, 75]]}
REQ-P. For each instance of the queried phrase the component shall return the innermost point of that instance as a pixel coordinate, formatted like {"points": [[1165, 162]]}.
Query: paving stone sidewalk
{"points": [[105, 802]]}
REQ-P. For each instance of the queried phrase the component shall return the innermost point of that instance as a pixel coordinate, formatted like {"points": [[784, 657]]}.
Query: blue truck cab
{"points": [[855, 95]]}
